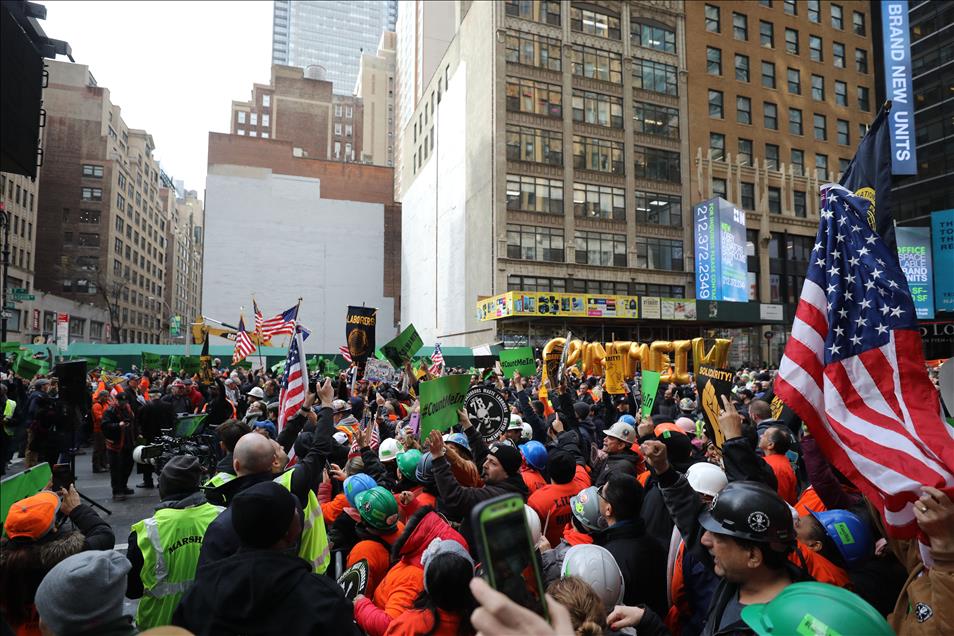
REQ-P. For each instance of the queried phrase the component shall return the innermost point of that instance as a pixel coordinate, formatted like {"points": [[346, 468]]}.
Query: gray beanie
{"points": [[440, 547], [100, 574], [180, 476]]}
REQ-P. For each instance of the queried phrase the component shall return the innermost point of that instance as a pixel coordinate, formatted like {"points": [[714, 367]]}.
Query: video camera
{"points": [[169, 444]]}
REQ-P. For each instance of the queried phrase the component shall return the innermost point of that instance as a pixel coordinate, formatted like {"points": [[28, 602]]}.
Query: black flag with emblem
{"points": [[359, 331]]}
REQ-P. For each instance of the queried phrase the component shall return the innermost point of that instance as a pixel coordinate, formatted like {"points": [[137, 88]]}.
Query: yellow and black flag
{"points": [[359, 331]]}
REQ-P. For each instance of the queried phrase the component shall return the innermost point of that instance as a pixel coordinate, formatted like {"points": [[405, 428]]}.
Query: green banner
{"points": [[23, 485], [518, 360], [400, 350], [26, 367], [648, 389], [108, 363], [190, 364], [440, 401], [175, 363], [151, 361]]}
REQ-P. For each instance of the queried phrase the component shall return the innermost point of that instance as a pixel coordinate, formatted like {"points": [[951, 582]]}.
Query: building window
{"points": [[92, 194], [795, 121], [818, 88], [535, 243], [597, 201], [240, 132], [534, 194], [815, 48], [766, 34], [600, 155], [740, 26], [774, 200], [770, 118], [597, 64], [92, 171], [743, 110], [719, 188], [861, 60], [745, 151], [265, 120], [600, 248], [253, 119], [594, 23], [747, 195], [659, 253], [349, 130], [741, 67], [652, 119], [540, 98], [253, 133], [534, 145], [837, 17], [578, 286], [534, 50], [241, 117], [841, 93], [821, 167], [799, 204], [798, 161], [858, 23], [843, 166], [338, 151], [89, 216], [716, 146], [713, 61], [87, 239], [349, 112], [713, 19], [546, 11], [655, 76], [790, 8], [338, 129], [814, 11], [337, 110], [653, 208], [794, 81], [841, 129], [863, 99], [657, 164], [535, 284], [119, 224], [597, 108], [661, 291], [771, 156], [264, 135], [120, 203], [653, 36], [768, 74], [838, 54], [791, 41], [715, 104], [266, 101]]}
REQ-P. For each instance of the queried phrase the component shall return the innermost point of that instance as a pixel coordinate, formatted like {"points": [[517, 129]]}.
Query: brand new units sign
{"points": [[721, 268], [897, 84]]}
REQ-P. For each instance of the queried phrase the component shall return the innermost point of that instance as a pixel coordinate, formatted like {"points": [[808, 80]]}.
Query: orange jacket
{"points": [[821, 569], [677, 588], [377, 555], [552, 504], [533, 479], [787, 483], [414, 622], [97, 412], [333, 508], [809, 502], [465, 471], [581, 479]]}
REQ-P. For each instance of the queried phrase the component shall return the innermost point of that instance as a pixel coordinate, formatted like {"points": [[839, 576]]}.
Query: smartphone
{"points": [[62, 477], [507, 553]]}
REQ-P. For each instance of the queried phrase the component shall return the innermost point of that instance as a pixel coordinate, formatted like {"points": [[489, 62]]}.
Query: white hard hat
{"points": [[526, 432], [622, 431], [598, 569], [706, 478], [686, 425], [516, 423], [340, 437], [257, 392], [533, 522], [389, 450], [137, 455]]}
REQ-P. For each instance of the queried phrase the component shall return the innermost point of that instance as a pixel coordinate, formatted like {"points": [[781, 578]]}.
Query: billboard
{"points": [[721, 266], [942, 235], [555, 304], [914, 254], [897, 85]]}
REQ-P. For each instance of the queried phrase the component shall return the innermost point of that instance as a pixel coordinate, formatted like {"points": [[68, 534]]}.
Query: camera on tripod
{"points": [[167, 446]]}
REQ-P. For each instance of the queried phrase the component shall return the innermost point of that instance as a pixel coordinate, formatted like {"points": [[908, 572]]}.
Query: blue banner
{"points": [[942, 236], [914, 255], [721, 265], [898, 86]]}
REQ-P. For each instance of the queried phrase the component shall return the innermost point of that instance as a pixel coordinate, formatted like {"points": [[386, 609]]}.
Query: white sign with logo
{"points": [[770, 312], [63, 331]]}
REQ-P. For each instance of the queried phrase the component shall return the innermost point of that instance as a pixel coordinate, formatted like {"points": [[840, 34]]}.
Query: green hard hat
{"points": [[817, 609], [407, 462], [377, 507]]}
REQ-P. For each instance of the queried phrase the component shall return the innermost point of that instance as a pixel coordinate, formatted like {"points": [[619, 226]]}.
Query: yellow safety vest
{"points": [[218, 479], [314, 540]]}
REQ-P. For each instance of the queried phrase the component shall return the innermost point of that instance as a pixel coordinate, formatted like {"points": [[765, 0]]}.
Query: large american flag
{"points": [[244, 347], [283, 323], [294, 382], [345, 353], [854, 370], [437, 360]]}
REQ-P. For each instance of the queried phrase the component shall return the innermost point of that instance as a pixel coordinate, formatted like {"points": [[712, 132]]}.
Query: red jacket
{"points": [[415, 622], [552, 504]]}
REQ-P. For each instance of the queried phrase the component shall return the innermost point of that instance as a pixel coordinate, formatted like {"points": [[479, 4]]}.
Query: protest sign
{"points": [[151, 360], [175, 362], [551, 362], [712, 384], [22, 485], [26, 368], [359, 332], [108, 363], [403, 347], [518, 360], [613, 366], [648, 389], [488, 412], [440, 400], [190, 364], [354, 580], [381, 371]]}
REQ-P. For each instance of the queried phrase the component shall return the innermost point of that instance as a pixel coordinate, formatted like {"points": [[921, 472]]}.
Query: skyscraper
{"points": [[330, 34]]}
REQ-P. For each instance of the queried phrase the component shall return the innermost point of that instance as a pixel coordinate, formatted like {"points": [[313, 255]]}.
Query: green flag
{"points": [[520, 359], [151, 360], [278, 367], [108, 363], [175, 363], [648, 388], [22, 485], [26, 367], [400, 350], [440, 401], [190, 364]]}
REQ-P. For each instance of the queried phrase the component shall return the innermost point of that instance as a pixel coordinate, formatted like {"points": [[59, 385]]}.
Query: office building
{"points": [[182, 302], [375, 90], [19, 196], [330, 34], [295, 227]]}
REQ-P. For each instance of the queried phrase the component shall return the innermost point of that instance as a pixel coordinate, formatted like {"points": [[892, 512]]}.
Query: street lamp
{"points": [[5, 222], [166, 307]]}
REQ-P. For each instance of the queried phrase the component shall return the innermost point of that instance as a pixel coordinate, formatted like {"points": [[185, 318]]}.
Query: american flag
{"points": [[294, 382], [373, 443], [854, 370], [283, 323], [345, 353], [244, 347], [437, 360], [259, 321]]}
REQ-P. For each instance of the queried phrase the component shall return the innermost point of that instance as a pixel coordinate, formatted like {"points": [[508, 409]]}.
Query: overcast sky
{"points": [[173, 67]]}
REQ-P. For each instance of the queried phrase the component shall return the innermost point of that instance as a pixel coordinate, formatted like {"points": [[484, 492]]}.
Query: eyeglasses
{"points": [[599, 493]]}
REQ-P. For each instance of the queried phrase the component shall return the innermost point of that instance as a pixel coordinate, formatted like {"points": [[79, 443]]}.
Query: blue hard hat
{"points": [[535, 453], [460, 439], [628, 419], [357, 484], [850, 534], [424, 473]]}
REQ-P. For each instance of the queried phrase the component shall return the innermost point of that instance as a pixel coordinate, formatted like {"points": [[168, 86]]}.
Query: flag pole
{"points": [[258, 333]]}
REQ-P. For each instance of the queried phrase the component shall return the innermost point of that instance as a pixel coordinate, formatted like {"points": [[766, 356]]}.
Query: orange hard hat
{"points": [[667, 426], [33, 517]]}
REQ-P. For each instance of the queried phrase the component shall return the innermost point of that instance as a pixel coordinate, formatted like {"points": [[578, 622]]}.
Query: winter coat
{"points": [[376, 550], [926, 603], [552, 505], [624, 463], [421, 621], [532, 478], [641, 559]]}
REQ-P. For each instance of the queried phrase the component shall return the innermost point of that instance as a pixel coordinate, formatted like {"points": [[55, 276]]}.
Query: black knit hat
{"points": [[561, 467], [262, 514], [180, 476], [508, 456]]}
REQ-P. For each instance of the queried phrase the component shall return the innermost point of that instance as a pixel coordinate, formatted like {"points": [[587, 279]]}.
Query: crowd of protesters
{"points": [[642, 524]]}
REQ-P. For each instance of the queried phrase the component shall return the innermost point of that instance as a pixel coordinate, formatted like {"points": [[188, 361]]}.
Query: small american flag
{"points": [[854, 371], [372, 444], [437, 358], [259, 321], [283, 323], [293, 383], [244, 347], [345, 353]]}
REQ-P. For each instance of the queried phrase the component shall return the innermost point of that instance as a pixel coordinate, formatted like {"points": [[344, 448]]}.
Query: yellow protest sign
{"points": [[613, 367]]}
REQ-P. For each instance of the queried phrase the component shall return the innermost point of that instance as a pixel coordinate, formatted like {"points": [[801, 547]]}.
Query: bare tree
{"points": [[110, 289]]}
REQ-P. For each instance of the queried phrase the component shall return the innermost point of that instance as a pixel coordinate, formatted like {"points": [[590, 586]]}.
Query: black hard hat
{"points": [[750, 510]]}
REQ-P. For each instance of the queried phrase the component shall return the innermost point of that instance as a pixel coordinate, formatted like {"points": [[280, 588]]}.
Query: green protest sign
{"points": [[108, 364], [22, 485], [8, 347], [151, 360], [26, 367], [278, 367], [518, 360], [190, 364], [400, 350], [648, 388], [175, 362], [440, 401]]}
